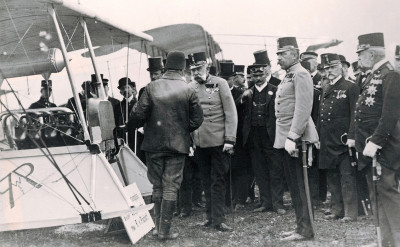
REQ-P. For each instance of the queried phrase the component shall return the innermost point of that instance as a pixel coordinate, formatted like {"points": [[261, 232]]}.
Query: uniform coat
{"points": [[336, 119], [293, 105], [41, 103], [220, 116]]}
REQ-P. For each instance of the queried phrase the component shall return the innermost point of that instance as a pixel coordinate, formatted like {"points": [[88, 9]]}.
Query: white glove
{"points": [[317, 145], [370, 149], [228, 148], [141, 130], [290, 147], [351, 143], [191, 152]]}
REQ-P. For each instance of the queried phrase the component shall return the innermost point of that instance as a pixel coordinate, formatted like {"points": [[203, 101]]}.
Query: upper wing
{"points": [[331, 43]]}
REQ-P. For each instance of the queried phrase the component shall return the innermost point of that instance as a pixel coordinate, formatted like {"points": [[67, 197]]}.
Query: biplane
{"points": [[90, 176]]}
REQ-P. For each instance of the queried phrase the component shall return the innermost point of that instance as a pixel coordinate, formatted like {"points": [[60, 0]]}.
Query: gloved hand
{"points": [[370, 149], [317, 145], [290, 147], [191, 152], [351, 143], [228, 148]]}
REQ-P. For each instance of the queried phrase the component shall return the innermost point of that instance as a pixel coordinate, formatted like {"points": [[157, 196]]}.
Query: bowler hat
{"points": [[46, 84], [261, 57], [329, 59], [199, 59], [239, 69], [308, 55], [94, 79], [397, 52], [343, 60], [370, 40], [287, 44], [155, 63], [227, 70], [176, 60], [213, 70], [125, 80]]}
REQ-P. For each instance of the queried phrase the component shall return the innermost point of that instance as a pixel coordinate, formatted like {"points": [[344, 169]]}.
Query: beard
{"points": [[200, 78]]}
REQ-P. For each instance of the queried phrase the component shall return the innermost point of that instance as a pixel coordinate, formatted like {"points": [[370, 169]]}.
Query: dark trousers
{"points": [[388, 201], [343, 188], [236, 186], [250, 183], [294, 177], [267, 168], [317, 180], [191, 188], [214, 166], [164, 171], [362, 191]]}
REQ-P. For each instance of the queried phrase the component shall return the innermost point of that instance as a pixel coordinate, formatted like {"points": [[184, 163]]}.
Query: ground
{"points": [[250, 229]]}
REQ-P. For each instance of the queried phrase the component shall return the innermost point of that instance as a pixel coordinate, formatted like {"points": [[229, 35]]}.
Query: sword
{"points": [[375, 179], [306, 185]]}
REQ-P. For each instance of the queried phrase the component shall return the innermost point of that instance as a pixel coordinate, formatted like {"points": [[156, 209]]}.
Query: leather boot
{"points": [[167, 210], [157, 214]]}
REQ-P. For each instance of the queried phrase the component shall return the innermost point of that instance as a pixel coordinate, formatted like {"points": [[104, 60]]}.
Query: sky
{"points": [[311, 21]]}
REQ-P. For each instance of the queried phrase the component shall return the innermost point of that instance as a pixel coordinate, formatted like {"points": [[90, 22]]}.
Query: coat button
{"points": [[209, 97], [322, 120], [329, 119], [329, 113]]}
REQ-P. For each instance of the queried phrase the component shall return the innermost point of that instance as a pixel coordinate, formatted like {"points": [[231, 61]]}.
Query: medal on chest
{"points": [[372, 89], [212, 88], [289, 77], [340, 94]]}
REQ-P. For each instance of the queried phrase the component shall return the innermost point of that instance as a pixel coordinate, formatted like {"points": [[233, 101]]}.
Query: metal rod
{"points": [[71, 80], [102, 93]]}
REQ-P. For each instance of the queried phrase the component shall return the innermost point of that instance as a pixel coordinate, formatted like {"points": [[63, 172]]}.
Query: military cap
{"points": [[343, 60], [306, 65], [94, 79], [125, 80], [397, 52], [155, 63], [213, 70], [287, 44], [227, 70], [239, 69], [370, 40], [199, 59], [329, 59], [308, 55], [46, 84], [176, 60]]}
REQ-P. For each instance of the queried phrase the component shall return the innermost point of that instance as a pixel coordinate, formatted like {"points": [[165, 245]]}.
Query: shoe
{"points": [[223, 227], [200, 204], [167, 209], [331, 217], [185, 214], [285, 234], [239, 207], [347, 219], [281, 211], [260, 209], [295, 237], [206, 223]]}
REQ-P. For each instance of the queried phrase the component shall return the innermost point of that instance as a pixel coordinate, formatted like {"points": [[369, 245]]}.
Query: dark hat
{"points": [[86, 85], [94, 79], [155, 63], [354, 66], [397, 52], [286, 44], [188, 63], [164, 61], [239, 69], [306, 65], [124, 80], [261, 57], [370, 40], [308, 55], [176, 60], [248, 69], [343, 60], [329, 59], [46, 84], [227, 70], [213, 70], [199, 59]]}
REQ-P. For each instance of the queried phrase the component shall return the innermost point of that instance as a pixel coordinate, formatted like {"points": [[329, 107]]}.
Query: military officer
{"points": [[293, 104], [397, 58], [239, 76], [45, 93], [377, 131], [259, 134], [345, 68], [214, 139], [311, 57], [336, 118]]}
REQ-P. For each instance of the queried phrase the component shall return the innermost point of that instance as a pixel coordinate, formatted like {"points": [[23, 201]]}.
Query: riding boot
{"points": [[157, 214], [167, 210]]}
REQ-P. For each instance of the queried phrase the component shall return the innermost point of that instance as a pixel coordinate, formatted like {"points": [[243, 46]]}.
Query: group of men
{"points": [[271, 129]]}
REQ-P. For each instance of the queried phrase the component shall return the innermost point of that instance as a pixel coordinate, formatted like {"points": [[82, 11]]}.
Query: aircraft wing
{"points": [[27, 27], [188, 38], [331, 43]]}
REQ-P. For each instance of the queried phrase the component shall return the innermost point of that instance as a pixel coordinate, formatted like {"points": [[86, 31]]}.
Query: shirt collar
{"points": [[378, 64], [333, 82], [130, 98], [259, 89]]}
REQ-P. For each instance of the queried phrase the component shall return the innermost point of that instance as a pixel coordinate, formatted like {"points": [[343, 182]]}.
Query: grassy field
{"points": [[250, 229]]}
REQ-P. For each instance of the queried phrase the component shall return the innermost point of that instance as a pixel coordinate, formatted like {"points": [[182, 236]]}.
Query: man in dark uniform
{"points": [[336, 119], [45, 93], [170, 109], [293, 105], [127, 89], [95, 87], [397, 58], [239, 80], [377, 131], [259, 134], [214, 139], [312, 57], [86, 94]]}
